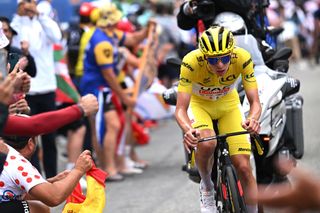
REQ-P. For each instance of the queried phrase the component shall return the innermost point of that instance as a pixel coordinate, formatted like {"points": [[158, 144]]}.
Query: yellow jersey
{"points": [[197, 79]]}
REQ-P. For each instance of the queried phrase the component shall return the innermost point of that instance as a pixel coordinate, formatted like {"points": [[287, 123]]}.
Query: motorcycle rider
{"points": [[207, 92]]}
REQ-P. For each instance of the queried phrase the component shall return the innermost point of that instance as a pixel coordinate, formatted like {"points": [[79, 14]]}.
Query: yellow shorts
{"points": [[227, 111]]}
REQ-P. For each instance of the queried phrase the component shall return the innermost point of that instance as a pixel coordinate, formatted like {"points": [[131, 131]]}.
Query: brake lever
{"points": [[258, 143]]}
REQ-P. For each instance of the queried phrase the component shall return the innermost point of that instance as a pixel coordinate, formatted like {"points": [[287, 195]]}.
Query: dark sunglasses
{"points": [[224, 59]]}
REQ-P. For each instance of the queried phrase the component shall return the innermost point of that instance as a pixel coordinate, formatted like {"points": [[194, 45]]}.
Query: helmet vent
{"points": [[204, 44]]}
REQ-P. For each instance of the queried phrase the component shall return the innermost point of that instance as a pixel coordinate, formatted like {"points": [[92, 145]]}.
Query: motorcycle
{"points": [[281, 117]]}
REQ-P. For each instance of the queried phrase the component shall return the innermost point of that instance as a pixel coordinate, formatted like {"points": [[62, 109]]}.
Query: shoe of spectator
{"points": [[207, 201], [131, 171], [140, 165], [115, 178], [131, 167]]}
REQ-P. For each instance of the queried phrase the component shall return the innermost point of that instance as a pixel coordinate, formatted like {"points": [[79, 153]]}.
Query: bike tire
{"points": [[235, 201]]}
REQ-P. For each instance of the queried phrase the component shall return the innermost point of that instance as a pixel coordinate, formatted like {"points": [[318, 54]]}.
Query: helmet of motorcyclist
{"points": [[109, 15], [216, 41], [232, 21]]}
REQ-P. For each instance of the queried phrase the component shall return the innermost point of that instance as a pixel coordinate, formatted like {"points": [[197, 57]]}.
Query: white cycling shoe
{"points": [[207, 201]]}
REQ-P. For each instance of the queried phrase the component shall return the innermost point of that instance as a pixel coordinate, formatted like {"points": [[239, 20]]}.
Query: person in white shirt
{"points": [[42, 32]]}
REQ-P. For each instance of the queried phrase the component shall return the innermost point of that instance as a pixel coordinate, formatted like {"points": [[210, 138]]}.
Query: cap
{"points": [[7, 21], [85, 9], [109, 15], [3, 39]]}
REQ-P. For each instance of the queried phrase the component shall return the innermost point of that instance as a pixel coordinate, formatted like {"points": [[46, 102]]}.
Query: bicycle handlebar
{"points": [[223, 136], [256, 137]]}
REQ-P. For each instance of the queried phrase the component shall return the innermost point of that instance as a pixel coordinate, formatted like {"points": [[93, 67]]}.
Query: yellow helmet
{"points": [[216, 41], [109, 15]]}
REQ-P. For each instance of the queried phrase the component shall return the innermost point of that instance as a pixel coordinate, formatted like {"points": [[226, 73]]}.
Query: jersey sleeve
{"points": [[42, 123], [186, 74], [24, 175], [247, 73], [121, 36], [103, 52]]}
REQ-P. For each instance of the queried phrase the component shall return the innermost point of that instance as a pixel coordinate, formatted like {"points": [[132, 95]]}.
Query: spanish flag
{"points": [[95, 198]]}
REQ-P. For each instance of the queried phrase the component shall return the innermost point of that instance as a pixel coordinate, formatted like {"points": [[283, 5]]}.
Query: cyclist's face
{"points": [[219, 65]]}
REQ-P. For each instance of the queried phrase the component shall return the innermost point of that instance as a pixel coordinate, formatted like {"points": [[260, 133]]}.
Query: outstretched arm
{"points": [[42, 123], [303, 194], [50, 121], [53, 194]]}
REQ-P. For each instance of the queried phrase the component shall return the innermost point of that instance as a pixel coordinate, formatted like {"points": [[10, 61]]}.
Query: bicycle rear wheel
{"points": [[233, 194]]}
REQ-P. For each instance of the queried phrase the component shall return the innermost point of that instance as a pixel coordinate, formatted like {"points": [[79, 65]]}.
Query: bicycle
{"points": [[229, 194]]}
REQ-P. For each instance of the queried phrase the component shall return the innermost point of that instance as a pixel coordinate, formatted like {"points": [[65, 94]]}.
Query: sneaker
{"points": [[207, 202], [115, 178], [130, 168]]}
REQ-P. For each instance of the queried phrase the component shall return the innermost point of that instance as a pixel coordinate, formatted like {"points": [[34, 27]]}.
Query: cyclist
{"points": [[206, 92]]}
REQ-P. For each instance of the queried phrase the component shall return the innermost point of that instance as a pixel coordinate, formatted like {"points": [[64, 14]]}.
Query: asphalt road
{"points": [[164, 188]]}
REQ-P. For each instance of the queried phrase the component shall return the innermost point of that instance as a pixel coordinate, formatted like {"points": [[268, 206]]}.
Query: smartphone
{"points": [[13, 59]]}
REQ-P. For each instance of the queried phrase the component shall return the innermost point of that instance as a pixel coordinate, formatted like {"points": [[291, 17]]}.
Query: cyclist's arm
{"points": [[255, 106], [185, 92], [183, 100]]}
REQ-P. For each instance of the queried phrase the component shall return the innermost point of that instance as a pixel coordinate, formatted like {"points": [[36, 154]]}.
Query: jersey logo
{"points": [[244, 150], [188, 66], [202, 125], [107, 53], [200, 60], [8, 195], [213, 91], [245, 64], [206, 80], [184, 81], [250, 77], [229, 78]]}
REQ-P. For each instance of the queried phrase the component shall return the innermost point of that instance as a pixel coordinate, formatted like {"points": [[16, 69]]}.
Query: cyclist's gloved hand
{"points": [[252, 125], [190, 139]]}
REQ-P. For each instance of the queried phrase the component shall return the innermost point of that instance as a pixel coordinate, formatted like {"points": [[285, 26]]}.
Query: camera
{"points": [[204, 9]]}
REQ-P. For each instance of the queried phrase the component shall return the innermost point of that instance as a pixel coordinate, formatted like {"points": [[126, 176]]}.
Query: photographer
{"points": [[193, 11]]}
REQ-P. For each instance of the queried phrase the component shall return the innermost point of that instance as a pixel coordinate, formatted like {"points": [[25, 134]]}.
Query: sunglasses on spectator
{"points": [[214, 60]]}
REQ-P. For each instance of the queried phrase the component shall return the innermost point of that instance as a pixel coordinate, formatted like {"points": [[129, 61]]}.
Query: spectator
{"points": [[303, 193], [169, 43], [23, 186], [27, 61], [76, 46], [3, 54], [41, 32], [99, 78]]}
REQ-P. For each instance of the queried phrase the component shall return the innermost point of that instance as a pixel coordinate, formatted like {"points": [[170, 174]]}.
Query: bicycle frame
{"points": [[229, 196]]}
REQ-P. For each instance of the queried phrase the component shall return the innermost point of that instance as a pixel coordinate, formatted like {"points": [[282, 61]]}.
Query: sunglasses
{"points": [[224, 59]]}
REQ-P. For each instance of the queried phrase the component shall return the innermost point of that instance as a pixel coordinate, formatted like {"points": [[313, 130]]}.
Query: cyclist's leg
{"points": [[204, 155], [240, 148]]}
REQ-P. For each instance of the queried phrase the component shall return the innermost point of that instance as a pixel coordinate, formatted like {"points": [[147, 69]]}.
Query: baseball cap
{"points": [[3, 39]]}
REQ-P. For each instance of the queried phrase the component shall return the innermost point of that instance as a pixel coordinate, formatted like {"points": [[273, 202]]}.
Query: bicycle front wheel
{"points": [[234, 194]]}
